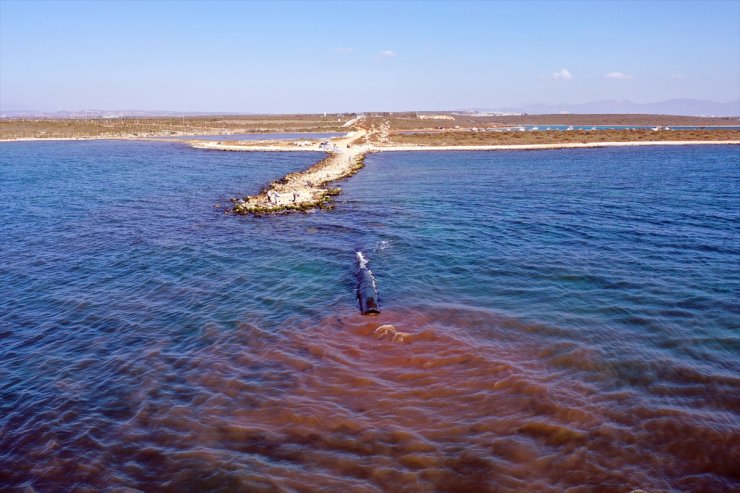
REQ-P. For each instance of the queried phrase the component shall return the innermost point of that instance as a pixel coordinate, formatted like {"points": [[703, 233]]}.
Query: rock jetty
{"points": [[307, 189]]}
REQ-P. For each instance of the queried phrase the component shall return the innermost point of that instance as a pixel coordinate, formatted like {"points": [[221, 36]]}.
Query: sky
{"points": [[301, 57]]}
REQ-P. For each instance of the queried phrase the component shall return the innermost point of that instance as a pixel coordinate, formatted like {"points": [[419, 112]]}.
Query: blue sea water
{"points": [[573, 318]]}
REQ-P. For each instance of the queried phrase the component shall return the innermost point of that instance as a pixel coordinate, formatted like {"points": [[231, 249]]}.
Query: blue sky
{"points": [[305, 56]]}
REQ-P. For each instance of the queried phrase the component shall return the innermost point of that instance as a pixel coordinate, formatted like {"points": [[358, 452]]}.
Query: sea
{"points": [[562, 320]]}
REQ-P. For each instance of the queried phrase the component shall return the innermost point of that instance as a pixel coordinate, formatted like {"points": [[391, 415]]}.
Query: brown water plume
{"points": [[463, 401]]}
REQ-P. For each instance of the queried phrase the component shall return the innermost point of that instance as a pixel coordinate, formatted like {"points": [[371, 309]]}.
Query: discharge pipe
{"points": [[367, 293]]}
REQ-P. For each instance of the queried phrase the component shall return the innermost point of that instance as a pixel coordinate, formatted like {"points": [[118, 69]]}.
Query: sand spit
{"points": [[565, 145], [257, 146], [61, 139]]}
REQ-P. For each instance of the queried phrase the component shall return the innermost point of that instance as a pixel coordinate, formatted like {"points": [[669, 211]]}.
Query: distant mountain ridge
{"points": [[682, 107]]}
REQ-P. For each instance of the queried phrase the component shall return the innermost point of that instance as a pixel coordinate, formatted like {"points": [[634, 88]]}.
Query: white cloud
{"points": [[619, 75], [343, 51], [562, 74], [387, 53]]}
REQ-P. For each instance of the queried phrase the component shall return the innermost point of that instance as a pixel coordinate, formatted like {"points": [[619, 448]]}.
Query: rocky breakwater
{"points": [[307, 189]]}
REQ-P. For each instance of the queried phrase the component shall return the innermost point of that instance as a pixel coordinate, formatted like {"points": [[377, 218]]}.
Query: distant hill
{"points": [[684, 107]]}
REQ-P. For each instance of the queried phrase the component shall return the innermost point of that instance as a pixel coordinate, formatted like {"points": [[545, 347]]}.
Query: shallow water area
{"points": [[570, 315]]}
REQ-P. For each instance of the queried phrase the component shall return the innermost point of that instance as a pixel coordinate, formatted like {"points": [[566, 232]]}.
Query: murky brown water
{"points": [[469, 402]]}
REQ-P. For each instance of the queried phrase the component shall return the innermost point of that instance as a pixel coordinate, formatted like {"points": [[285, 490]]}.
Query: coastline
{"points": [[62, 139], [112, 137], [187, 139], [305, 190], [565, 145], [217, 146], [211, 145]]}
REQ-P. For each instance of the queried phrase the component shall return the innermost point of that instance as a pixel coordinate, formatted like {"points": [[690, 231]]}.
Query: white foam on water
{"points": [[362, 262]]}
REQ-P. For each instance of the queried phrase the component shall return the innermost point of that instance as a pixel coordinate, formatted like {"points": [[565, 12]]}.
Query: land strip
{"points": [[464, 121], [517, 137], [153, 127], [532, 147], [118, 127], [264, 145], [305, 190]]}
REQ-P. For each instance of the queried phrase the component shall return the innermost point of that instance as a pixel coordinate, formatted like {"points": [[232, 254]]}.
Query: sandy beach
{"points": [[568, 145], [220, 146], [217, 146]]}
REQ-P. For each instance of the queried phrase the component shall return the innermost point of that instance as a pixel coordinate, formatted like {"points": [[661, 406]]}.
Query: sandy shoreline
{"points": [[497, 147], [565, 145], [118, 137], [305, 190], [61, 139], [220, 146]]}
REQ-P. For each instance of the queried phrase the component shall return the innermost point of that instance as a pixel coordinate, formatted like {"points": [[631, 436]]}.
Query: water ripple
{"points": [[572, 321]]}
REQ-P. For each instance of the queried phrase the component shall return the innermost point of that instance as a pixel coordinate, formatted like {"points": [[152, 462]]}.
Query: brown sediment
{"points": [[465, 400]]}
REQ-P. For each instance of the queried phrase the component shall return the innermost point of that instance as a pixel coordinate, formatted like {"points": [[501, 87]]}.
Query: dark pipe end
{"points": [[368, 302]]}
